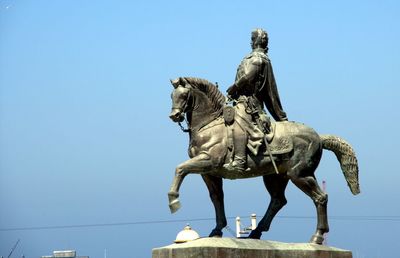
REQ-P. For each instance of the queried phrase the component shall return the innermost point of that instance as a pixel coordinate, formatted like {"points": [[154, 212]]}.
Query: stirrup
{"points": [[234, 166]]}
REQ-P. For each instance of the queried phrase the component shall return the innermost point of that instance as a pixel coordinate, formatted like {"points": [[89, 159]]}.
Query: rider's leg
{"points": [[239, 143]]}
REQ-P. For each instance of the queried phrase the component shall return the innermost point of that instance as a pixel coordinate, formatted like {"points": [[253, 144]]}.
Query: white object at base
{"points": [[187, 234]]}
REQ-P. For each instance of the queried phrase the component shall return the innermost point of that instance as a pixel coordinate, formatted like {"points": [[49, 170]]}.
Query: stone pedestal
{"points": [[247, 248]]}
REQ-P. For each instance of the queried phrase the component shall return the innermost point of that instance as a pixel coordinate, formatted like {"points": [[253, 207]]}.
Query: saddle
{"points": [[278, 140]]}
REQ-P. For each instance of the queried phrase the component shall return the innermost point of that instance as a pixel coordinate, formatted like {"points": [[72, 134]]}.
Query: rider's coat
{"points": [[255, 86]]}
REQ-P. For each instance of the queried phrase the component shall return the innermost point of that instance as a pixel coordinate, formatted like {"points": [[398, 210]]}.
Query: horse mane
{"points": [[211, 90]]}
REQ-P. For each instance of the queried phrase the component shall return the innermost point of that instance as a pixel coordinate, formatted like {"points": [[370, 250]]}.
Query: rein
{"points": [[183, 128], [187, 130]]}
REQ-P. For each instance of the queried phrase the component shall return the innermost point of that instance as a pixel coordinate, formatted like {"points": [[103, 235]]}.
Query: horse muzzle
{"points": [[177, 115]]}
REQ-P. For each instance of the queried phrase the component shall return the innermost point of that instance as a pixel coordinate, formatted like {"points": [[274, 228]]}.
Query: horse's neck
{"points": [[202, 113]]}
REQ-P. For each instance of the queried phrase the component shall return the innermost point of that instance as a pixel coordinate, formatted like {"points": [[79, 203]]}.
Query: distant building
{"points": [[64, 254]]}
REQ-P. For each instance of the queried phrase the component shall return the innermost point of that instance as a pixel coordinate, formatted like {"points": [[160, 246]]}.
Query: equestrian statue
{"points": [[233, 138]]}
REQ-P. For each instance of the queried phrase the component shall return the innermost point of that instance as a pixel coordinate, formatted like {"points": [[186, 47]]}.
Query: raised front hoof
{"points": [[174, 206], [255, 234], [216, 233], [317, 239]]}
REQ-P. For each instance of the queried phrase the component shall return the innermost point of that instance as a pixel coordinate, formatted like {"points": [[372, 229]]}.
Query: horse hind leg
{"points": [[303, 177], [322, 219], [214, 185], [276, 185]]}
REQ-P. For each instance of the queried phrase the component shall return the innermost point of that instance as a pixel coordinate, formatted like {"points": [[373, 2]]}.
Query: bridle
{"points": [[184, 109]]}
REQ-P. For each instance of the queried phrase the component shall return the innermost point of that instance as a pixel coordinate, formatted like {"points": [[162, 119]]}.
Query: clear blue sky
{"points": [[85, 136]]}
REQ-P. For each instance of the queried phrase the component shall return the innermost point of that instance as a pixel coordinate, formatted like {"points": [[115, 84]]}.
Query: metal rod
{"points": [[238, 227]]}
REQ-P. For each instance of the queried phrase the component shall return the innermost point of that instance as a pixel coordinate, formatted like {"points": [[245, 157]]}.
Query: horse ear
{"points": [[175, 82], [185, 83]]}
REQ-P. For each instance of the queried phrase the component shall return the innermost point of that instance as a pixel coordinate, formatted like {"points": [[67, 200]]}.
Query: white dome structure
{"points": [[187, 234]]}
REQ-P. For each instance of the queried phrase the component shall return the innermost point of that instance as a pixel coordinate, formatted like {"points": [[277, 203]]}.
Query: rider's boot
{"points": [[239, 162]]}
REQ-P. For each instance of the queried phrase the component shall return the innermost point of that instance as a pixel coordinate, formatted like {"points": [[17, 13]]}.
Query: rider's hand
{"points": [[232, 90]]}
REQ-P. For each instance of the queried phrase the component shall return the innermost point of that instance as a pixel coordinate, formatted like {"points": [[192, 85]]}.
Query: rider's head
{"points": [[259, 39]]}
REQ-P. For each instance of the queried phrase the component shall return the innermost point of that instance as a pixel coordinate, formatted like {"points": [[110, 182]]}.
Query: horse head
{"points": [[180, 99], [198, 99]]}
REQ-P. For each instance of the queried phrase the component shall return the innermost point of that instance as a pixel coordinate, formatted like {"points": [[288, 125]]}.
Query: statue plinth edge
{"points": [[247, 248]]}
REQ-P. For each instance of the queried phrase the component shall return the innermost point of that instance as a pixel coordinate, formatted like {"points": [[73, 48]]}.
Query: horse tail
{"points": [[346, 157]]}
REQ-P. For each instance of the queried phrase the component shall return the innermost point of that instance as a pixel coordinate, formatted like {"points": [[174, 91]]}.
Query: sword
{"points": [[260, 125], [270, 155], [267, 146]]}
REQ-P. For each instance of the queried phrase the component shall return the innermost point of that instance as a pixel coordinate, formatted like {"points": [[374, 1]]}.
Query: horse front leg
{"points": [[199, 164], [214, 185]]}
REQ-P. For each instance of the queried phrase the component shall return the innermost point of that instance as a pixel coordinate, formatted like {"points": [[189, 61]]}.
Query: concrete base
{"points": [[247, 248]]}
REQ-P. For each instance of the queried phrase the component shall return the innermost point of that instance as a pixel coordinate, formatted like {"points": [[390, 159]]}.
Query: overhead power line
{"points": [[101, 224], [349, 218]]}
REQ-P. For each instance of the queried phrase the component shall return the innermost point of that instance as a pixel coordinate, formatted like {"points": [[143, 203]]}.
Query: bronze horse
{"points": [[209, 150]]}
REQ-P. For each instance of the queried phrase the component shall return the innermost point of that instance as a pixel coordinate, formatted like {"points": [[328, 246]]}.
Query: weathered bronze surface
{"points": [[232, 137]]}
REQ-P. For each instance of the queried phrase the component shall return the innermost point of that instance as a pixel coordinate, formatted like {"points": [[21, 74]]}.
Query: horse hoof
{"points": [[215, 233], [174, 206], [317, 239], [255, 234]]}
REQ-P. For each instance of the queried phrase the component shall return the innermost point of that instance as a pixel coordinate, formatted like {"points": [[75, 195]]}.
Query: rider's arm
{"points": [[251, 69]]}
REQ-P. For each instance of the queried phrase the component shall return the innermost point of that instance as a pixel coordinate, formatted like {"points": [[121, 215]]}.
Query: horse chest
{"points": [[198, 140], [202, 142]]}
